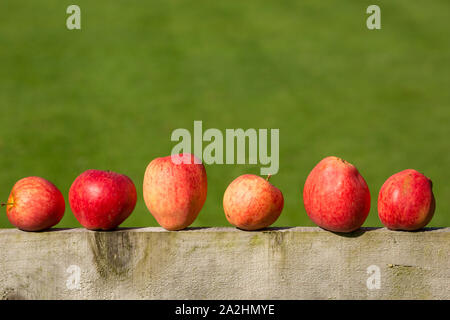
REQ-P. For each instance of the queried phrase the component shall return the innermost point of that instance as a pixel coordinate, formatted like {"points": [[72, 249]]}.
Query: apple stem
{"points": [[6, 204], [268, 177]]}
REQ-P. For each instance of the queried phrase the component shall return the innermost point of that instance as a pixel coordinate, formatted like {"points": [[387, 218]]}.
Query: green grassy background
{"points": [[109, 96]]}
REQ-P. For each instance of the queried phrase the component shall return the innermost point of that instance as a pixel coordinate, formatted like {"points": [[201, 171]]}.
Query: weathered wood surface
{"points": [[224, 263]]}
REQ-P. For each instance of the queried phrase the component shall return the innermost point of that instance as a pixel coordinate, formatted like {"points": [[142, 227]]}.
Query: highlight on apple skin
{"points": [[102, 200], [175, 192], [406, 201], [35, 204], [252, 203], [336, 197]]}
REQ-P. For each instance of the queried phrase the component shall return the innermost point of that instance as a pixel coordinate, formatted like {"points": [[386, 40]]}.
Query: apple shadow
{"points": [[84, 229], [361, 231], [264, 230], [48, 230], [354, 234], [268, 229], [419, 230], [194, 229], [121, 229]]}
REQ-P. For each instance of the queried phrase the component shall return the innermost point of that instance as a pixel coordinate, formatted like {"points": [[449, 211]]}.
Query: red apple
{"points": [[175, 191], [251, 202], [336, 196], [406, 201], [35, 204], [102, 200]]}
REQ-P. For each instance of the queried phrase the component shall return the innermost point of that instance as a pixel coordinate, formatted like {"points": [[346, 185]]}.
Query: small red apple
{"points": [[35, 204], [406, 201], [102, 200], [175, 190], [336, 196], [251, 202]]}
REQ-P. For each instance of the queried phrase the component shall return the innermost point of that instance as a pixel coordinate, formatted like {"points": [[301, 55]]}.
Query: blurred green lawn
{"points": [[109, 96]]}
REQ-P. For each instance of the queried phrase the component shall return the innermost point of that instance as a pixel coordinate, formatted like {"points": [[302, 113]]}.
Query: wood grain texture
{"points": [[223, 263]]}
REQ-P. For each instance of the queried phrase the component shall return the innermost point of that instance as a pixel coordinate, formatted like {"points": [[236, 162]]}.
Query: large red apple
{"points": [[102, 200], [35, 204], [251, 202], [336, 196], [406, 201], [175, 190]]}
